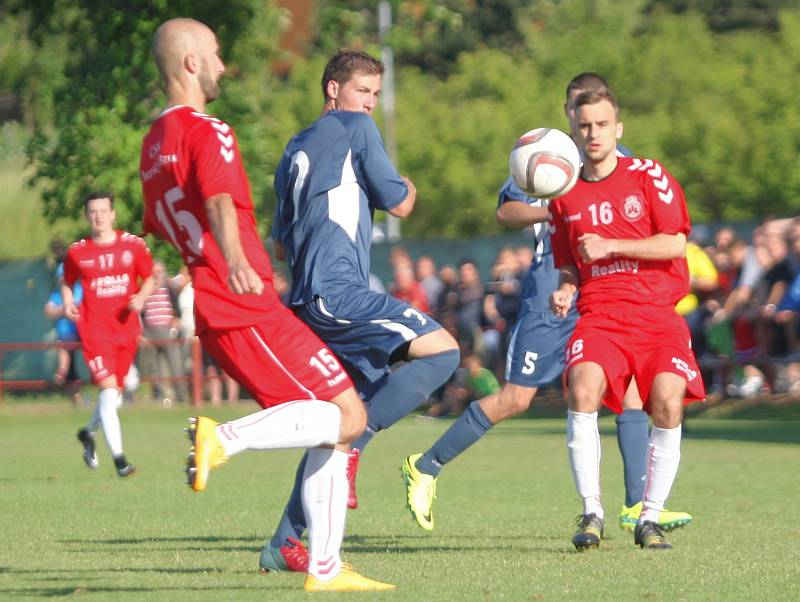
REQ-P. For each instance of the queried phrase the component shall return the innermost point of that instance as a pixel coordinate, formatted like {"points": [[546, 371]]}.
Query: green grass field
{"points": [[503, 516]]}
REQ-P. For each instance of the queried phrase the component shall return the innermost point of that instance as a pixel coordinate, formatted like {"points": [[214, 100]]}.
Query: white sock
{"points": [[663, 458], [325, 506], [304, 423], [108, 403], [583, 447]]}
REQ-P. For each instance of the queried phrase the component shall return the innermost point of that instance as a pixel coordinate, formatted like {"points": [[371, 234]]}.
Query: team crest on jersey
{"points": [[127, 258], [632, 208]]}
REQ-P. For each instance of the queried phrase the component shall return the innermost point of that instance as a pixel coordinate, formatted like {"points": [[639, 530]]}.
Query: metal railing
{"points": [[195, 378]]}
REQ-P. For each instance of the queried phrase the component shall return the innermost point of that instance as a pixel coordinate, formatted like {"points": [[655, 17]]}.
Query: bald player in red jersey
{"points": [[620, 235], [115, 271], [197, 196]]}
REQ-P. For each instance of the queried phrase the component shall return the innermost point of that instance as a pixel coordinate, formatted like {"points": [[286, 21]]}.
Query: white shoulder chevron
{"points": [[639, 165], [660, 180], [227, 154], [221, 127], [227, 141]]}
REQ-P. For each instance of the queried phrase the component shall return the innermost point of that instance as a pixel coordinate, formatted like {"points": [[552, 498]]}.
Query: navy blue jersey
{"points": [[332, 177], [542, 277]]}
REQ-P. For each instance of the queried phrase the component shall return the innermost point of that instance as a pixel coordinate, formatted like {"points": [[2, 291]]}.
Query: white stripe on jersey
{"points": [[402, 329], [343, 205]]}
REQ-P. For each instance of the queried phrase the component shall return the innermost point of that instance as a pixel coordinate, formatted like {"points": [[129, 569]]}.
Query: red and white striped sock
{"points": [[583, 447], [663, 458], [303, 423], [325, 505]]}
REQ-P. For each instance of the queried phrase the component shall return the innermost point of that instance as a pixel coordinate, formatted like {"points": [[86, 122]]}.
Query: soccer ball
{"points": [[545, 163]]}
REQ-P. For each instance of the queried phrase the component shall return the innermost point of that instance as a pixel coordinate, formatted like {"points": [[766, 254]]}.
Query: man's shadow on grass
{"points": [[361, 544]]}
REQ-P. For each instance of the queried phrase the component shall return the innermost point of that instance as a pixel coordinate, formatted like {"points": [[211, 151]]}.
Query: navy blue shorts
{"points": [[364, 328], [537, 344]]}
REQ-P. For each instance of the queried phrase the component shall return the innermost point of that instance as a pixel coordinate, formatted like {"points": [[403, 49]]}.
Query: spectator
{"points": [[184, 298], [471, 381], [448, 297], [183, 289], [215, 376], [703, 281], [505, 286], [399, 256], [736, 314], [777, 279], [724, 238], [66, 374], [161, 358], [500, 306], [425, 269], [406, 288], [697, 308], [469, 303]]}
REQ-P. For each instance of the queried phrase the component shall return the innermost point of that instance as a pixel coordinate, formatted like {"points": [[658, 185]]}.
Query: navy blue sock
{"points": [[633, 437], [365, 438], [405, 390], [293, 521], [470, 426]]}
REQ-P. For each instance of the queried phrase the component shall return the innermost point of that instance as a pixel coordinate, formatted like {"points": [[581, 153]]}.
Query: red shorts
{"points": [[278, 360], [109, 358], [640, 342]]}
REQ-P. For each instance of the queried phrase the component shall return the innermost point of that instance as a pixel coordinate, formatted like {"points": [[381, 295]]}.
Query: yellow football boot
{"points": [[346, 581], [667, 519], [420, 492], [206, 452]]}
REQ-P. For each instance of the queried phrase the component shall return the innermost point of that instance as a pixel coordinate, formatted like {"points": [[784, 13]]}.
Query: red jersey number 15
{"points": [[187, 234]]}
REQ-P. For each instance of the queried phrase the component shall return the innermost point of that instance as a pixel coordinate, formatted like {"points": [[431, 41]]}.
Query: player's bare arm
{"points": [[657, 247], [136, 301], [242, 278], [518, 214], [569, 279], [70, 310], [405, 208]]}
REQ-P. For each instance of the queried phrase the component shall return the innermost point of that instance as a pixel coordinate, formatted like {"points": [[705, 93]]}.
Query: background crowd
{"points": [[742, 311]]}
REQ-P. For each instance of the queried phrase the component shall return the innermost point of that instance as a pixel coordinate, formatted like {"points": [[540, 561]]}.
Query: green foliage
{"points": [[111, 92], [728, 15], [717, 109], [429, 34]]}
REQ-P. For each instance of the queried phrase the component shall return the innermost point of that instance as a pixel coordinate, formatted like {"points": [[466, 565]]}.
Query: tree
{"points": [[110, 92]]}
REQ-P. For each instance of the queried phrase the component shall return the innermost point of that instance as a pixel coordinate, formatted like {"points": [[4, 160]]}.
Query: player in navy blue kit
{"points": [[331, 179], [535, 358]]}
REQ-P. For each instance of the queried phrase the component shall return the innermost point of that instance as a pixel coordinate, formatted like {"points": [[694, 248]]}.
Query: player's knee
{"points": [[666, 414], [353, 416], [353, 424], [515, 400], [583, 398], [434, 343]]}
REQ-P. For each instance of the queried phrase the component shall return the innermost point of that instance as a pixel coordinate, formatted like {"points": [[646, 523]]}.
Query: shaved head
{"points": [[186, 51]]}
